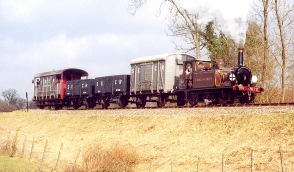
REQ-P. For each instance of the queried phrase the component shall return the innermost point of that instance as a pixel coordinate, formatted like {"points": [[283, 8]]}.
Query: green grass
{"points": [[15, 164]]}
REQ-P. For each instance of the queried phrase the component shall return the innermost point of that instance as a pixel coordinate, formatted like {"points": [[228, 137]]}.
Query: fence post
{"points": [[77, 157], [56, 165], [43, 157], [14, 146], [281, 156], [23, 146], [7, 142], [32, 148], [27, 101], [198, 164], [150, 166], [171, 166], [252, 160], [223, 163]]}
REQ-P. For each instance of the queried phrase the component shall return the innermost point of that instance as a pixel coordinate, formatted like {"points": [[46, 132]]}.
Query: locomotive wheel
{"points": [[161, 101], [222, 102], [193, 100], [181, 100], [141, 102], [246, 99], [123, 101]]}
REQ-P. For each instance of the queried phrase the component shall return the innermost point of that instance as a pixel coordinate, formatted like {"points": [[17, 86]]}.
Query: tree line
{"points": [[12, 101], [269, 41]]}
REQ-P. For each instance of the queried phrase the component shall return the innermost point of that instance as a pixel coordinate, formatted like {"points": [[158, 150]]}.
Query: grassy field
{"points": [[165, 139]]}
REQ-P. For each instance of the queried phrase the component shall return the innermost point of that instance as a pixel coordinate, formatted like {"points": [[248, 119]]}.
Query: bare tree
{"points": [[276, 18], [265, 38], [183, 23], [21, 103], [10, 96], [261, 10], [254, 47], [135, 5], [284, 13]]}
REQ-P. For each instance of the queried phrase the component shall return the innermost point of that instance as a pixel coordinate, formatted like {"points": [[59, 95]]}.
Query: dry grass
{"points": [[115, 159], [164, 138], [9, 147]]}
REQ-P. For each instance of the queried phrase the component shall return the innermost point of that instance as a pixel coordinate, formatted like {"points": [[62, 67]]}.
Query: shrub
{"points": [[116, 159], [5, 107], [5, 148]]}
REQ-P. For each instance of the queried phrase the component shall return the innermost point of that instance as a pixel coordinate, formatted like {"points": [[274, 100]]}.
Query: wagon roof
{"points": [[156, 58], [57, 72]]}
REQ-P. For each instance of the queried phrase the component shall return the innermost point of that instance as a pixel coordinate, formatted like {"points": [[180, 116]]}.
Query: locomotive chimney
{"points": [[240, 56]]}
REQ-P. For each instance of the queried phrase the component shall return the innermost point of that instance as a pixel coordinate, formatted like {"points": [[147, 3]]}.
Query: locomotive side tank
{"points": [[156, 77]]}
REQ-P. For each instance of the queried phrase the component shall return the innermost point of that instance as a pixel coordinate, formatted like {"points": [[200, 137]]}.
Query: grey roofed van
{"points": [[159, 74]]}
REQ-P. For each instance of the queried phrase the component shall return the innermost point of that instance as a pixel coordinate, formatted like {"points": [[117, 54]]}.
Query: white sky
{"points": [[98, 36]]}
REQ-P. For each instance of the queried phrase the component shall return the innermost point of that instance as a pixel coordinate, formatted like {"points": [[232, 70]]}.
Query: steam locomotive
{"points": [[176, 78]]}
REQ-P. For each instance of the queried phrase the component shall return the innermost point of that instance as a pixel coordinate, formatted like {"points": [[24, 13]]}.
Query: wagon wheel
{"points": [[67, 104], [161, 101], [105, 103], [123, 101], [141, 101], [76, 105], [58, 107], [181, 100], [90, 103], [41, 106]]}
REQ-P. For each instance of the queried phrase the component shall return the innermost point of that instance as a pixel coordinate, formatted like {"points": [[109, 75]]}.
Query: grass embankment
{"points": [[165, 139]]}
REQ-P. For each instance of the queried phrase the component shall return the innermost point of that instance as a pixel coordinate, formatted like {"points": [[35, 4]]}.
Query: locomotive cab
{"points": [[197, 73]]}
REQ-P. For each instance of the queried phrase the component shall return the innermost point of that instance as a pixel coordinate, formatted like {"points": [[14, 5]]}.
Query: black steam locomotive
{"points": [[178, 78]]}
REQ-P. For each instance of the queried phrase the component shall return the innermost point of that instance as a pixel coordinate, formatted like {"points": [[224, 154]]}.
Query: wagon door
{"points": [[146, 77]]}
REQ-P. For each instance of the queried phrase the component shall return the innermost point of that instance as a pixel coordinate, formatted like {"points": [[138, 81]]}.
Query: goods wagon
{"points": [[50, 87], [155, 77]]}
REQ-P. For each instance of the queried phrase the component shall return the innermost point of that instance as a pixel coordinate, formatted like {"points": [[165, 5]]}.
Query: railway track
{"points": [[174, 106]]}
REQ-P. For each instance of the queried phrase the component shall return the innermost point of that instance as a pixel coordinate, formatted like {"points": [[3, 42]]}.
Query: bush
{"points": [[116, 159], [4, 107]]}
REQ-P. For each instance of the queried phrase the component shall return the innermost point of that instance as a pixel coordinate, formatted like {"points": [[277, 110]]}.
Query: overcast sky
{"points": [[99, 36]]}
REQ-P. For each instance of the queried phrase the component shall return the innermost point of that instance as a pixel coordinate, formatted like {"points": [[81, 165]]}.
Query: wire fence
{"points": [[51, 154], [46, 154]]}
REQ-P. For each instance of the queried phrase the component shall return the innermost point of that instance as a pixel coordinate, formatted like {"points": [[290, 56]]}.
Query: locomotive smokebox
{"points": [[240, 56]]}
